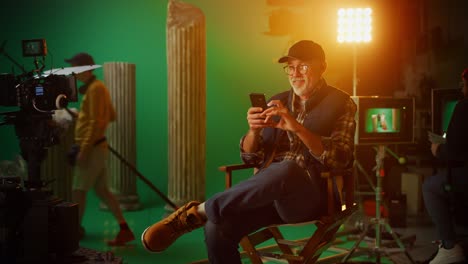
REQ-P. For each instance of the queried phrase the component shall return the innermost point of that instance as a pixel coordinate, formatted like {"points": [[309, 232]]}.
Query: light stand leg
{"points": [[354, 70], [355, 246], [363, 171], [378, 221]]}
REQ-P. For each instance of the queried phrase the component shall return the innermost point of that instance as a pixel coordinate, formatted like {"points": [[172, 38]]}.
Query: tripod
{"points": [[378, 221]]}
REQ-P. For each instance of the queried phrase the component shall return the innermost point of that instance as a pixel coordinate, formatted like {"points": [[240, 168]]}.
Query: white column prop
{"points": [[186, 65], [120, 79]]}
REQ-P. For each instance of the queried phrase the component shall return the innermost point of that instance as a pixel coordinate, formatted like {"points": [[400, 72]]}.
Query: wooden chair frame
{"points": [[306, 250]]}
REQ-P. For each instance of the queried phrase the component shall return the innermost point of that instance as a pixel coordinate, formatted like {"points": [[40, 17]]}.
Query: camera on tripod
{"points": [[35, 226], [36, 90]]}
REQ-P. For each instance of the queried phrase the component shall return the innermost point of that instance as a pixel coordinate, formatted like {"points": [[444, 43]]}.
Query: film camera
{"points": [[35, 226], [43, 93], [35, 89]]}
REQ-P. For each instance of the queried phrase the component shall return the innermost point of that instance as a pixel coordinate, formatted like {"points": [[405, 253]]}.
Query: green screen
{"points": [[383, 120], [242, 50]]}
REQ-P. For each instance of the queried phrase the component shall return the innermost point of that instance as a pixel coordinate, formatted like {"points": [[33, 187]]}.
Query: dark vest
{"points": [[324, 109]]}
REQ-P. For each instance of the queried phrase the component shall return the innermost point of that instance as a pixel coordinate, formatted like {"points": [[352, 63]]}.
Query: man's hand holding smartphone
{"points": [[274, 114], [255, 114], [257, 121]]}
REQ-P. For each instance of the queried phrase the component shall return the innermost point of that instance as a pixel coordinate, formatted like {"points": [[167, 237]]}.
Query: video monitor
{"points": [[384, 120], [443, 103], [34, 47]]}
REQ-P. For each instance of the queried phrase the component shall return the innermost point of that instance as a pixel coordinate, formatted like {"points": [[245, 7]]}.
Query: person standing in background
{"points": [[90, 170], [437, 197]]}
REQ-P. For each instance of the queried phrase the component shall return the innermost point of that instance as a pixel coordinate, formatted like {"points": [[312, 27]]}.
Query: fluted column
{"points": [[120, 79], [186, 65], [56, 167]]}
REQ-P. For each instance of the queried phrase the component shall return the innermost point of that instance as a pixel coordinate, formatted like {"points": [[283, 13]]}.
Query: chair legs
{"points": [[305, 251], [249, 248]]}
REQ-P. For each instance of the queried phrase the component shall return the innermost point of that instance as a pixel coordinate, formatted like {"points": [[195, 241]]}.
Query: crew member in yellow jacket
{"points": [[96, 112]]}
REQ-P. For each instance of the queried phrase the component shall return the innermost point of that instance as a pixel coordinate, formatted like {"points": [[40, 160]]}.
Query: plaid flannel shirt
{"points": [[338, 148]]}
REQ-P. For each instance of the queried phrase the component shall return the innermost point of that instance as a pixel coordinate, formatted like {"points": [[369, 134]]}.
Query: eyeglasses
{"points": [[289, 69]]}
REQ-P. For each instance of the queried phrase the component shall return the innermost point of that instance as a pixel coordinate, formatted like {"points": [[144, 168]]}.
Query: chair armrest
{"points": [[235, 167], [228, 172]]}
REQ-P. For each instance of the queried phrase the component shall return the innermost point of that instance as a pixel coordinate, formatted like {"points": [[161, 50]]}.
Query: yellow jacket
{"points": [[96, 112]]}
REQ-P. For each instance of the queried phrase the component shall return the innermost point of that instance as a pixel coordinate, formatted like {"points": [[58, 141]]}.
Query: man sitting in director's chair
{"points": [[304, 131]]}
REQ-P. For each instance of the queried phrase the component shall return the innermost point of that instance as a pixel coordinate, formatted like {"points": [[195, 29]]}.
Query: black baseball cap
{"points": [[81, 59], [304, 50]]}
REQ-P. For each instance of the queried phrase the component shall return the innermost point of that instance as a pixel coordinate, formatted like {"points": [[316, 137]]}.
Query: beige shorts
{"points": [[94, 172]]}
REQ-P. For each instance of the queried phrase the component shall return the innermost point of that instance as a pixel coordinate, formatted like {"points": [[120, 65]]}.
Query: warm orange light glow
{"points": [[354, 25]]}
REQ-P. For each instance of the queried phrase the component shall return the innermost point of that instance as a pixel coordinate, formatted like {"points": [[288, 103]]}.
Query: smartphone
{"points": [[258, 100]]}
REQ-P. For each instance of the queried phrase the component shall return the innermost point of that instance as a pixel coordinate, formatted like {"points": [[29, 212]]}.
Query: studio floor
{"points": [[100, 226]]}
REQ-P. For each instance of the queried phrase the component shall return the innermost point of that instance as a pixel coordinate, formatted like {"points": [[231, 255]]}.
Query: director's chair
{"points": [[307, 250]]}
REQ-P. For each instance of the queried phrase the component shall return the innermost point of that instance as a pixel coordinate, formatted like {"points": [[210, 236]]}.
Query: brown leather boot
{"points": [[161, 235]]}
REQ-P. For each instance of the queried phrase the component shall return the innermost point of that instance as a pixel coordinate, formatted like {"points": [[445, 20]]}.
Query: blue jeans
{"points": [[438, 202], [281, 193]]}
